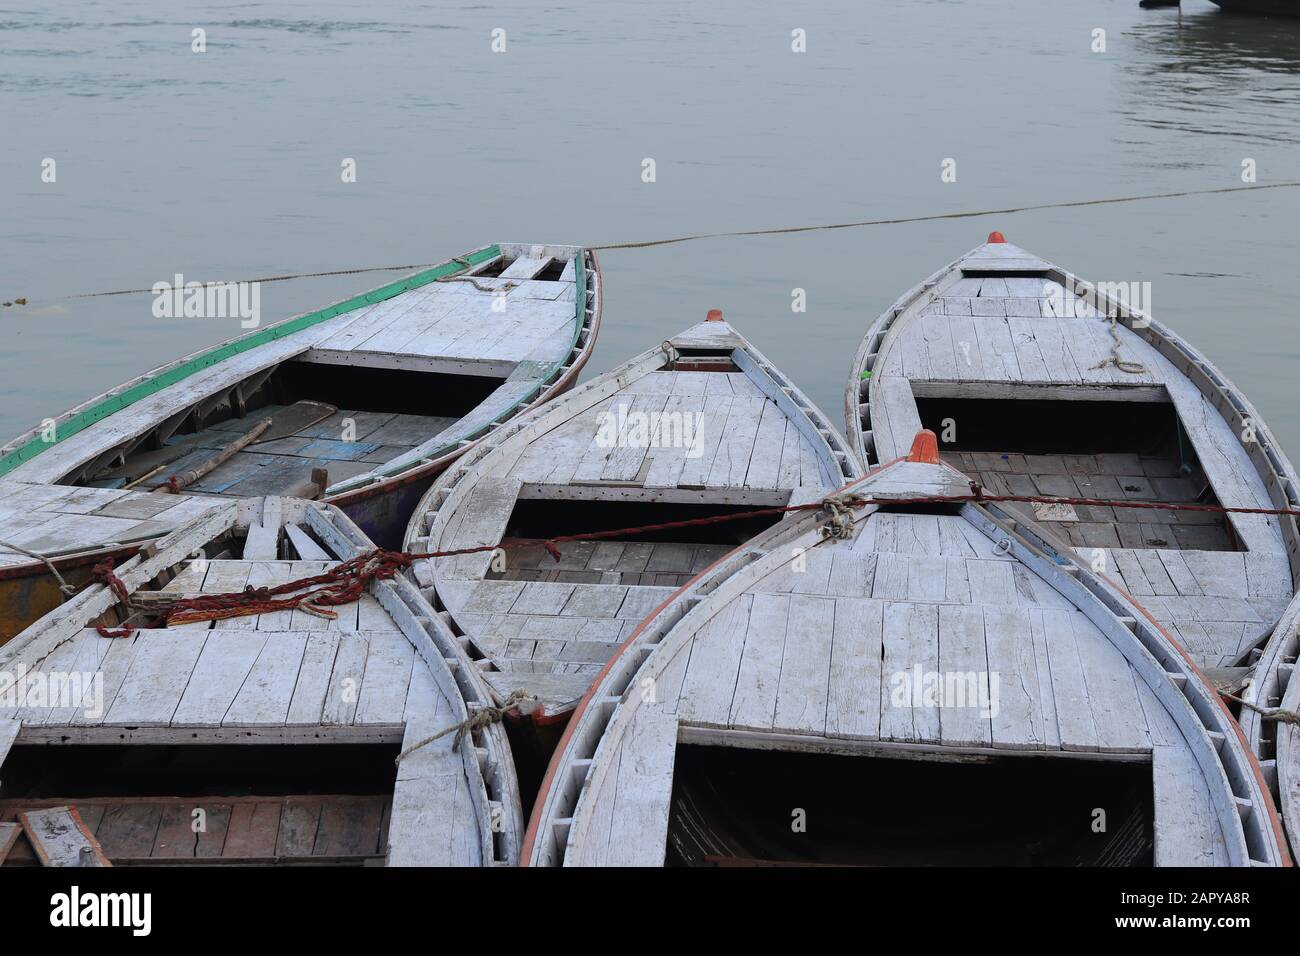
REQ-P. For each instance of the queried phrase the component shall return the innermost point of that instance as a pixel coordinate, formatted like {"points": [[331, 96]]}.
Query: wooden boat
{"points": [[1032, 388], [1271, 694], [703, 426], [280, 729], [370, 397], [1023, 709]]}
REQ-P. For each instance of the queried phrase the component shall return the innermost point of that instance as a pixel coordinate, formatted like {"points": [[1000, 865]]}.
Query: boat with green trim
{"points": [[362, 404]]}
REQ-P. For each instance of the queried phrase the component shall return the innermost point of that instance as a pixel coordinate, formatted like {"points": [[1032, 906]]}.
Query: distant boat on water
{"points": [[1268, 8]]}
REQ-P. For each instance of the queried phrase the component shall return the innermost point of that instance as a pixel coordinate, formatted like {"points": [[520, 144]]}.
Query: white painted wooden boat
{"points": [[1286, 754], [779, 709], [253, 695], [702, 426], [1270, 691], [1005, 356], [398, 382]]}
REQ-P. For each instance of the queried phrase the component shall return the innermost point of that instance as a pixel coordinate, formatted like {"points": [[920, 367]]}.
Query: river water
{"points": [[226, 164]]}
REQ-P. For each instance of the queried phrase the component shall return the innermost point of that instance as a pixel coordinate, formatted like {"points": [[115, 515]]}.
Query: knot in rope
{"points": [[839, 512], [479, 719]]}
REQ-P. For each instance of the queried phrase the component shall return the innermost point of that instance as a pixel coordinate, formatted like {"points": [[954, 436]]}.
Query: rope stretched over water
{"points": [[787, 230], [1009, 210]]}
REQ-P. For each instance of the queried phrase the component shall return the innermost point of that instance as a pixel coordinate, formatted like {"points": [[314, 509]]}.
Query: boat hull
{"points": [[382, 510]]}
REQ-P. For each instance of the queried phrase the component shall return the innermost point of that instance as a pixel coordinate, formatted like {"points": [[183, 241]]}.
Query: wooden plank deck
{"points": [[519, 328], [280, 678], [1022, 670], [238, 830], [57, 519], [662, 437], [973, 332]]}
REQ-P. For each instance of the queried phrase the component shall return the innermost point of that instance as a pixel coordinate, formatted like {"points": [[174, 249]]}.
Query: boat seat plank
{"points": [[308, 550], [802, 685], [483, 521], [708, 687], [308, 702], [263, 538], [431, 788], [638, 835], [855, 688], [267, 692], [965, 719], [60, 838], [340, 705], [220, 672], [159, 674], [526, 267], [388, 675], [894, 418], [1074, 713], [911, 641]]}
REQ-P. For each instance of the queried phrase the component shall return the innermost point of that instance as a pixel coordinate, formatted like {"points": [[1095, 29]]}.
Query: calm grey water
{"points": [[226, 164]]}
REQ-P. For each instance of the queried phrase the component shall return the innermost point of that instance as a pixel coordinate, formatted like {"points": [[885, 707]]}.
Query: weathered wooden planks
{"points": [[60, 838], [364, 678], [645, 433]]}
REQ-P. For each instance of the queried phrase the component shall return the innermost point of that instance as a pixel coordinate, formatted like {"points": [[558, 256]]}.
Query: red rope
{"points": [[103, 573], [347, 581]]}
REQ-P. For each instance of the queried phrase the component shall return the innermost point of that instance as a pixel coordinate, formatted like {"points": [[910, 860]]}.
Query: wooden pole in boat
{"points": [[176, 482], [312, 488], [145, 477]]}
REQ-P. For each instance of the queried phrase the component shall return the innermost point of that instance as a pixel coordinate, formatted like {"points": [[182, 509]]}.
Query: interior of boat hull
{"points": [[738, 806], [1105, 449], [921, 688], [1037, 383], [701, 428], [237, 687], [350, 420], [304, 805]]}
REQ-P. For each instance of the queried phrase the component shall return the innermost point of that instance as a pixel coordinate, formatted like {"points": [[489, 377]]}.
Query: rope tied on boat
{"points": [[315, 595], [1124, 365], [65, 588], [342, 584], [104, 574], [464, 263], [479, 719], [1280, 714], [839, 516], [347, 581]]}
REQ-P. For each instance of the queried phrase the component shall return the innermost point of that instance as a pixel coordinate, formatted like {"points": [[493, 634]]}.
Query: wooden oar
{"points": [[176, 482]]}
